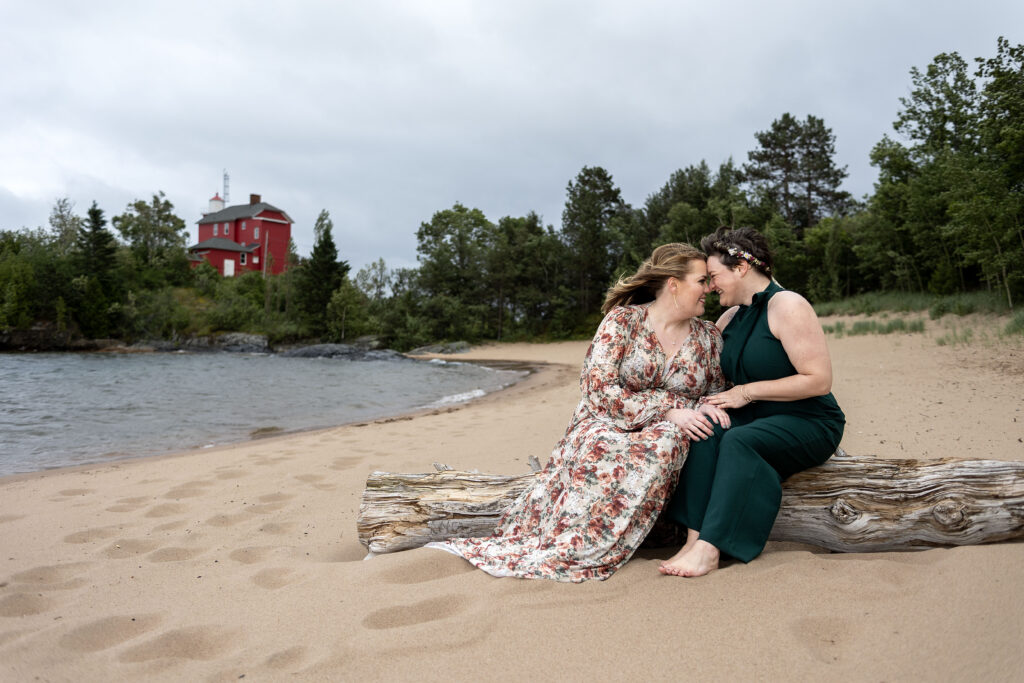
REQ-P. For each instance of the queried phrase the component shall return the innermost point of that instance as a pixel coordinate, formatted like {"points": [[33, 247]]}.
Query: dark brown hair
{"points": [[669, 260], [731, 246]]}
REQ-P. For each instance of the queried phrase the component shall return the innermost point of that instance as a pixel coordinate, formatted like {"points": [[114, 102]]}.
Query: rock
{"points": [[162, 345], [323, 351], [446, 347], [368, 341], [384, 354], [343, 351], [239, 342]]}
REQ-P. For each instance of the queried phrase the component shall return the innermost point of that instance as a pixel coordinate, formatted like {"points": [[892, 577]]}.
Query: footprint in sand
{"points": [[129, 504], [191, 642], [251, 554], [232, 474], [75, 492], [166, 510], [108, 632], [276, 497], [425, 569], [346, 463], [274, 578], [173, 554], [341, 553], [284, 659], [277, 529], [264, 461], [52, 577], [227, 520], [264, 508], [170, 526], [95, 534], [824, 638], [422, 612], [190, 489], [25, 604], [128, 547], [9, 518], [314, 479]]}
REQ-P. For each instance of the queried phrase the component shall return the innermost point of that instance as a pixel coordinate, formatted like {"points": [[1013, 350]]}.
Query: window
{"points": [[215, 225], [242, 259], [256, 232], [243, 225], [227, 229], [256, 259]]}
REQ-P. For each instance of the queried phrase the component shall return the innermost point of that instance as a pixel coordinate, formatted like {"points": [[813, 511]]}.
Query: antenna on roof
{"points": [[227, 188]]}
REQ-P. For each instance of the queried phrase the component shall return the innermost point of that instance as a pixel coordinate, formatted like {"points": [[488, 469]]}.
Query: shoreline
{"points": [[530, 368], [246, 564]]}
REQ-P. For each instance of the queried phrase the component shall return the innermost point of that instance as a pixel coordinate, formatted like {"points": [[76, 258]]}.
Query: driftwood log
{"points": [[849, 504]]}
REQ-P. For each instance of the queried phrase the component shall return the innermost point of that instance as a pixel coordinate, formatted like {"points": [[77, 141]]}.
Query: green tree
{"points": [[347, 313], [320, 276], [156, 238], [591, 229], [452, 274], [65, 226], [96, 284], [940, 114], [794, 169], [374, 280]]}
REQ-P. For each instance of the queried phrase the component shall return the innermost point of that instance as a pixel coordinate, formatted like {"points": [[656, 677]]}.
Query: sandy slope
{"points": [[243, 560]]}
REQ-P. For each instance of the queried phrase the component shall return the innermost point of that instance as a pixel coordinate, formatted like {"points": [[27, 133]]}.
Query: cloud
{"points": [[384, 113]]}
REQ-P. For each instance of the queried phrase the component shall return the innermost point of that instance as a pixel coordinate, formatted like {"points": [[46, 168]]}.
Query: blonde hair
{"points": [[669, 260]]}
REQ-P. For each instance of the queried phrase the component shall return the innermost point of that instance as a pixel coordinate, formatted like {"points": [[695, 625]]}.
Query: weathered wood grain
{"points": [[849, 504]]}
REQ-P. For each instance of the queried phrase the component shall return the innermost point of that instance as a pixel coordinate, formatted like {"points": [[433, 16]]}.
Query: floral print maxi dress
{"points": [[618, 463]]}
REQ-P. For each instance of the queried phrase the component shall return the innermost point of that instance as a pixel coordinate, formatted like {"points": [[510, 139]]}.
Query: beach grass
{"points": [[1016, 324], [911, 302], [859, 327]]}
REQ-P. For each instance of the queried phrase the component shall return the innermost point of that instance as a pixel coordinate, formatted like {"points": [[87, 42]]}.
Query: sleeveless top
{"points": [[752, 353]]}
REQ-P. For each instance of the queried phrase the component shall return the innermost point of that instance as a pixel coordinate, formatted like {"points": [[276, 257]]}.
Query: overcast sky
{"points": [[384, 112]]}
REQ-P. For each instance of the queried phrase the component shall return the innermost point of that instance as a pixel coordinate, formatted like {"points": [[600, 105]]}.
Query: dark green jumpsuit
{"points": [[730, 487]]}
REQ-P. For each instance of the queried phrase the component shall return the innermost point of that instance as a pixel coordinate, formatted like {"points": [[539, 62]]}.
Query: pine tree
{"points": [[594, 211], [320, 276], [794, 171]]}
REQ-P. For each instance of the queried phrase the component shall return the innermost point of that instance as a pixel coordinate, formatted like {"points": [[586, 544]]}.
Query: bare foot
{"points": [[691, 537], [700, 559]]}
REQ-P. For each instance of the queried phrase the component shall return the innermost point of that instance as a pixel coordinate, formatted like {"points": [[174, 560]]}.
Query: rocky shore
{"points": [[47, 338]]}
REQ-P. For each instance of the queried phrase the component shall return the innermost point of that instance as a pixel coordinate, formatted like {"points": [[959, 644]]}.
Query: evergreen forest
{"points": [[945, 218]]}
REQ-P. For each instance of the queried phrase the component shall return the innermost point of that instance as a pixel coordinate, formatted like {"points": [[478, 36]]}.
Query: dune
{"points": [[241, 562]]}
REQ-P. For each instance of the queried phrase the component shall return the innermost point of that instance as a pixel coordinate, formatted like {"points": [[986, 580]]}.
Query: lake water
{"points": [[70, 409]]}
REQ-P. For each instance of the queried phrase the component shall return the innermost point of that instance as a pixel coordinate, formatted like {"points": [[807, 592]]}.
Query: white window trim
{"points": [[241, 259]]}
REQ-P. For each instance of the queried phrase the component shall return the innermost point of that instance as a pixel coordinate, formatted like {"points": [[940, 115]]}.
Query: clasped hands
{"points": [[697, 424]]}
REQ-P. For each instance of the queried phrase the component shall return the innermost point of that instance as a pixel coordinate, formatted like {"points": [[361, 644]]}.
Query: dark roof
{"points": [[233, 213], [224, 245]]}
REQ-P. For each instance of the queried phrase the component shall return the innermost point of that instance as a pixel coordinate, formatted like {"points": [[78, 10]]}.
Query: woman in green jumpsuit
{"points": [[783, 417]]}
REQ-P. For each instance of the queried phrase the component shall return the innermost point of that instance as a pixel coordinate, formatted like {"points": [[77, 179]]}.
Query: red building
{"points": [[236, 239]]}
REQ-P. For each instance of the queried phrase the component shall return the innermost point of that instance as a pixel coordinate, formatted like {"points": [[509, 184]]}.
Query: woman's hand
{"points": [[717, 415], [691, 422], [737, 397]]}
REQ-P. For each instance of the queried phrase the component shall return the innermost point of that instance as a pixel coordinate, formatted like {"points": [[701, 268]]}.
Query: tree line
{"points": [[946, 216]]}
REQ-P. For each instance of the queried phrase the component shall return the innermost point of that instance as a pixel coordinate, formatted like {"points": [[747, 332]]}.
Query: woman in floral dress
{"points": [[650, 362]]}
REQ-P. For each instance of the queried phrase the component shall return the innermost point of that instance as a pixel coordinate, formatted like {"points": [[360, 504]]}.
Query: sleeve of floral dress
{"points": [[712, 360], [603, 392]]}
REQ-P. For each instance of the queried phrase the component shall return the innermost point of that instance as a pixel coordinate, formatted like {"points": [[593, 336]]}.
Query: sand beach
{"points": [[242, 563]]}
